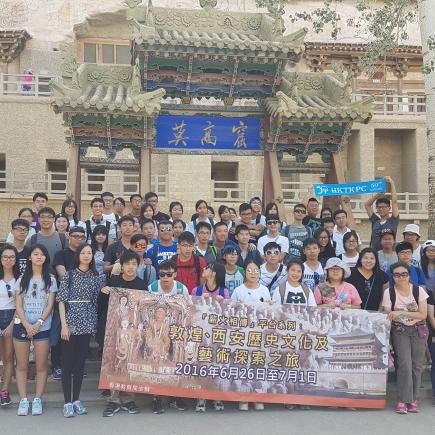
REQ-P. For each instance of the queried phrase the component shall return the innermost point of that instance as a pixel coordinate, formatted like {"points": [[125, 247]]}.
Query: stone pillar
{"points": [[73, 184], [414, 161], [272, 187], [145, 171]]}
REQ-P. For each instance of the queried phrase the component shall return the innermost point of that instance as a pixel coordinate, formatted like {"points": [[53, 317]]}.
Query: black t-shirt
{"points": [[159, 217], [64, 258], [371, 290], [119, 281], [114, 252], [22, 258]]}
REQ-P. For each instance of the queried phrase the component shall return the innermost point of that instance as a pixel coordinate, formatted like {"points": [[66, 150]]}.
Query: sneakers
{"points": [[131, 408], [200, 405], [178, 404], [79, 408], [68, 410], [36, 406], [259, 406], [5, 398], [157, 405], [401, 408], [243, 406], [56, 374], [23, 407], [413, 407], [218, 405], [111, 409]]}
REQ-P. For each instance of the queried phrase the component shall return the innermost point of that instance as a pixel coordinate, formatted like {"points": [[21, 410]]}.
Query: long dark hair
{"points": [[219, 269], [28, 271], [16, 268], [65, 204], [142, 211], [368, 251], [347, 236], [329, 250], [269, 207], [76, 260], [425, 264], [100, 229]]}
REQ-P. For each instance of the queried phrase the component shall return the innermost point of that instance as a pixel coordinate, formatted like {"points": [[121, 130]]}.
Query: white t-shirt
{"points": [[350, 261], [266, 277], [295, 296], [262, 220], [281, 240], [311, 277], [6, 302], [416, 257], [337, 237], [110, 217], [78, 224], [251, 296]]}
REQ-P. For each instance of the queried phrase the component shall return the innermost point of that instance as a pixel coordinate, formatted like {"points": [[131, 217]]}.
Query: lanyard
{"points": [[370, 287]]}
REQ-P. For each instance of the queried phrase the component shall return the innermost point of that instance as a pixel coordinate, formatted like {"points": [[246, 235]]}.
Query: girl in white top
{"points": [[293, 291], [69, 207], [201, 208], [351, 253]]}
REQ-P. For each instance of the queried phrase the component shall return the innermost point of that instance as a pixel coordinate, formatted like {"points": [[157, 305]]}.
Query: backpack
{"points": [[62, 237], [275, 277], [304, 288], [155, 287], [415, 294], [200, 289], [89, 229], [196, 265]]}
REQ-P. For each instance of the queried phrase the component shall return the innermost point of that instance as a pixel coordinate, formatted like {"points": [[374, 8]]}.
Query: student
{"points": [[214, 250], [406, 305], [136, 205], [255, 230], [146, 212], [313, 270], [203, 235], [9, 273], [165, 247], [20, 231], [325, 213], [247, 254], [99, 245], [214, 286], [69, 207], [387, 255], [176, 210], [411, 234], [189, 265], [149, 229], [404, 254], [294, 291], [311, 220], [97, 207], [233, 215], [273, 224], [350, 244], [340, 229], [119, 206], [179, 227], [108, 213], [297, 232], [40, 201], [153, 199], [35, 293], [257, 208], [327, 251], [383, 220], [61, 224], [78, 291], [225, 216], [251, 292], [210, 212], [328, 224], [369, 280], [272, 272], [168, 286], [234, 274], [272, 208], [25, 214], [335, 291], [201, 208], [145, 271], [127, 279], [115, 250]]}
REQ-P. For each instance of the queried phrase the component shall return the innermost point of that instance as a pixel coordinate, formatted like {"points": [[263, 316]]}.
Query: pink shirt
{"points": [[345, 293]]}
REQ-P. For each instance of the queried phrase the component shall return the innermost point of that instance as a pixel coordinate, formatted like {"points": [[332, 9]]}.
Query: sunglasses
{"points": [[274, 252], [166, 274], [34, 288], [140, 245], [165, 230], [299, 210], [400, 275], [8, 289], [272, 222], [253, 270]]}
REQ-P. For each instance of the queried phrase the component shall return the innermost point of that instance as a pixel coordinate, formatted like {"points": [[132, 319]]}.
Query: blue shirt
{"points": [[416, 278], [158, 253]]}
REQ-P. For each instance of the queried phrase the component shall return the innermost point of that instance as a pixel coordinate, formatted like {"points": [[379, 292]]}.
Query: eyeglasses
{"points": [[140, 245], [21, 229], [165, 230], [301, 211], [405, 252], [166, 274], [274, 252], [187, 245], [323, 238], [8, 258], [78, 236], [34, 288], [253, 270], [400, 275], [8, 289], [272, 222]]}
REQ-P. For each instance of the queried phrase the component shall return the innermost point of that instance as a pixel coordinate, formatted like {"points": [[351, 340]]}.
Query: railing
{"points": [[25, 85], [235, 191], [396, 104], [55, 183]]}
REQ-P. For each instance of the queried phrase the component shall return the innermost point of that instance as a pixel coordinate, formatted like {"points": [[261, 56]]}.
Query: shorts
{"points": [[6, 317], [20, 334]]}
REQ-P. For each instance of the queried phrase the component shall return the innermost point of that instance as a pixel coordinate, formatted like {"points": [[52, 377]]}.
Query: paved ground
{"points": [[274, 420]]}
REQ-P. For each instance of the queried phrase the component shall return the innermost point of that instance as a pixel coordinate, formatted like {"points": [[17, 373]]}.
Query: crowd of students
{"points": [[57, 271]]}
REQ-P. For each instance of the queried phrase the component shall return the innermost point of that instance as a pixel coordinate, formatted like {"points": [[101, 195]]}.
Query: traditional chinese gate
{"points": [[194, 55]]}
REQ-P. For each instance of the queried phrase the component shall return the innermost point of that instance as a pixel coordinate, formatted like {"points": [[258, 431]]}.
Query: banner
{"points": [[208, 134], [364, 187], [194, 347]]}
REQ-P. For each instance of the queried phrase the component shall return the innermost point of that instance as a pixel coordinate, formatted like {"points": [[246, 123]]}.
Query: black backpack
{"points": [[415, 293]]}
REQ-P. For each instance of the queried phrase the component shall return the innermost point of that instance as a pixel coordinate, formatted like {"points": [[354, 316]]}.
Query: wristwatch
{"points": [[40, 321]]}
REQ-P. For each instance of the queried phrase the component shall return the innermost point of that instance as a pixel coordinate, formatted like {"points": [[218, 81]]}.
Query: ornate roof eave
{"points": [[12, 43]]}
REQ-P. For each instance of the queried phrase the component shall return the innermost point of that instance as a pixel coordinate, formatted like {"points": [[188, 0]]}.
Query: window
{"points": [[225, 176], [56, 176], [94, 181], [2, 172], [108, 52]]}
